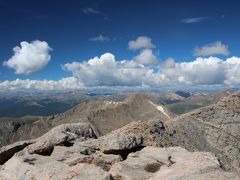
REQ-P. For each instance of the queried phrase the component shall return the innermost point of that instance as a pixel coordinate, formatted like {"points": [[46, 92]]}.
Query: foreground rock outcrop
{"points": [[215, 128], [169, 163], [7, 152], [120, 142], [76, 152], [62, 135]]}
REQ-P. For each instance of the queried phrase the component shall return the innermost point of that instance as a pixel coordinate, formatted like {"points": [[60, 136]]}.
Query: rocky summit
{"points": [[73, 151], [131, 140]]}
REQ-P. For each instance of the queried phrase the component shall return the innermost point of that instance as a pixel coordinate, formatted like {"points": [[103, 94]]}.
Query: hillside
{"points": [[197, 100], [105, 116], [45, 103], [10, 126], [215, 128]]}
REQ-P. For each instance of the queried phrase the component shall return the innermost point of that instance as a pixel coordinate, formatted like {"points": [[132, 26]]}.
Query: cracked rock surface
{"points": [[215, 128]]}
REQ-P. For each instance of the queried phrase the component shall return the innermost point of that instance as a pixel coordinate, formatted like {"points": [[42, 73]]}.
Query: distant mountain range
{"points": [[45, 103], [197, 100]]}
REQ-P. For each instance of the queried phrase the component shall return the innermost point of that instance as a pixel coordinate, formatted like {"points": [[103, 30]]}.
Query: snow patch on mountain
{"points": [[160, 108]]}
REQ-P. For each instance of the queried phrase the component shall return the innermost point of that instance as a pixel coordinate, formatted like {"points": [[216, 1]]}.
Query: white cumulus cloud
{"points": [[232, 71], [64, 83], [29, 57], [146, 57], [142, 42], [106, 71], [201, 71], [216, 48]]}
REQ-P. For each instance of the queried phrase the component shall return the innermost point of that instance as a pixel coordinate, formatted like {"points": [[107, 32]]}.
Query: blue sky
{"points": [[175, 28]]}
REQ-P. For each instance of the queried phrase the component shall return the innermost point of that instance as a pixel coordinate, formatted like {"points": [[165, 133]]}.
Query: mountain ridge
{"points": [[104, 115]]}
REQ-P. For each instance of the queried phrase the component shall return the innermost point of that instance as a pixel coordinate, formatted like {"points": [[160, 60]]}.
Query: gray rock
{"points": [[38, 168], [148, 163], [61, 135], [115, 142], [71, 157], [87, 171], [215, 128], [169, 163], [105, 161]]}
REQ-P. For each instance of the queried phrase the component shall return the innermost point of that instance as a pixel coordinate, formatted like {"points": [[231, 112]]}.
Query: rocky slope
{"points": [[73, 151], [99, 108], [215, 128], [9, 126], [164, 98], [197, 100], [105, 116]]}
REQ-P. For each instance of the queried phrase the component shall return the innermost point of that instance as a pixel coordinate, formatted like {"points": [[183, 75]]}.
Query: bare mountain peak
{"points": [[135, 98], [106, 115]]}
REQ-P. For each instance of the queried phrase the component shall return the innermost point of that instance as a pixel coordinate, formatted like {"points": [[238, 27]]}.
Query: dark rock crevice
{"points": [[124, 153], [45, 152], [7, 152]]}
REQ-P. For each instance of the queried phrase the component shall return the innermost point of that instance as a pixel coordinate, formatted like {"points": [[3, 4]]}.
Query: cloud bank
{"points": [[107, 71], [64, 83], [216, 48], [29, 57]]}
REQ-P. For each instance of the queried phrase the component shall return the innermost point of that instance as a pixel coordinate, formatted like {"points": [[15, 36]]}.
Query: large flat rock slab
{"points": [[169, 163]]}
